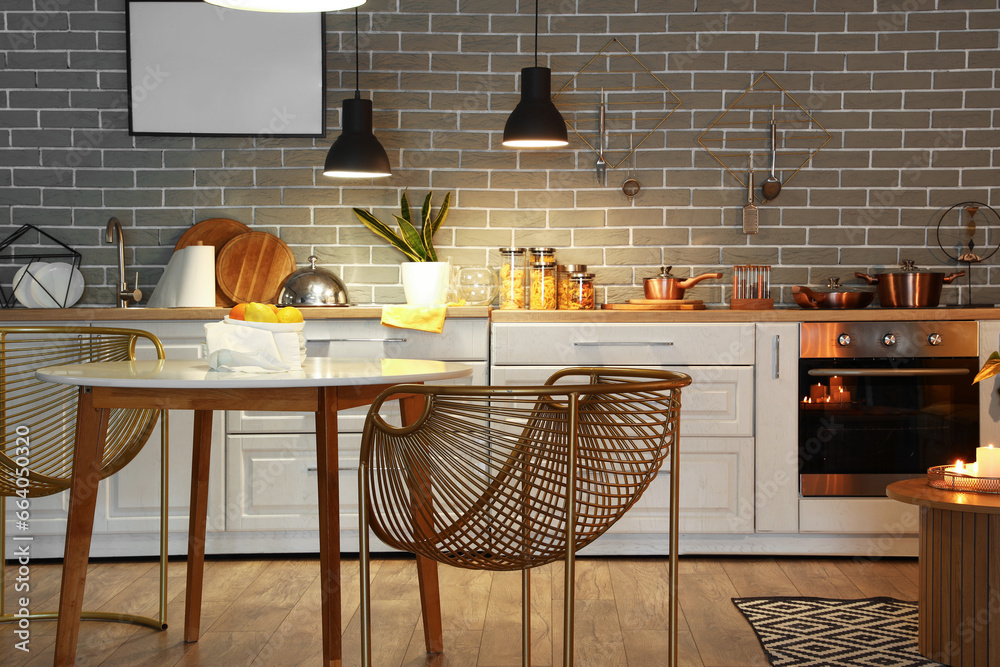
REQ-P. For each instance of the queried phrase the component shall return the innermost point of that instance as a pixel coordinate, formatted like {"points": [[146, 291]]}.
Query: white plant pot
{"points": [[425, 283]]}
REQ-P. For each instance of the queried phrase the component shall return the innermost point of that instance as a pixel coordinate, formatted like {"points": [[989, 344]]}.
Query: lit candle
{"points": [[817, 391], [988, 461], [836, 381]]}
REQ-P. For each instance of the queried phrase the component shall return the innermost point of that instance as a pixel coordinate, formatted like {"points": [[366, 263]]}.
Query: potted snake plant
{"points": [[424, 277]]}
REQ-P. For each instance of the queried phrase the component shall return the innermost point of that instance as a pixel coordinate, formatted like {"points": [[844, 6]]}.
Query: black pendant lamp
{"points": [[357, 153], [535, 122], [287, 6]]}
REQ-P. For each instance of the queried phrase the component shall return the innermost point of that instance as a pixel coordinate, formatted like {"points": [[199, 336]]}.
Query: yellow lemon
{"points": [[259, 312], [289, 315]]}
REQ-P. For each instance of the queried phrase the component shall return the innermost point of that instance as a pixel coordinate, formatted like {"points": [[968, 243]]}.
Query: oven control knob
{"points": [[934, 339], [889, 340], [844, 340]]}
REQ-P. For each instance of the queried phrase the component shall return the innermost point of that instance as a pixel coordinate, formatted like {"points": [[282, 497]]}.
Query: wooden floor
{"points": [[266, 612]]}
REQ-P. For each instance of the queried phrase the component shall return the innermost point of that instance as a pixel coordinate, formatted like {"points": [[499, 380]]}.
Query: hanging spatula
{"points": [[750, 209]]}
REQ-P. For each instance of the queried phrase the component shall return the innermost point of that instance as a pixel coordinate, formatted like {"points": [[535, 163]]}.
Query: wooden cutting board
{"points": [[665, 302], [215, 232], [679, 305], [253, 267]]}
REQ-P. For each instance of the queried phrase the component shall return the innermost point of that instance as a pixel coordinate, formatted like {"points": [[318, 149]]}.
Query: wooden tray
{"points": [[253, 267], [215, 232], [678, 305]]}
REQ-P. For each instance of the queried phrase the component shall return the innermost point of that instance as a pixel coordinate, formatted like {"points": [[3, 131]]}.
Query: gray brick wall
{"points": [[907, 91]]}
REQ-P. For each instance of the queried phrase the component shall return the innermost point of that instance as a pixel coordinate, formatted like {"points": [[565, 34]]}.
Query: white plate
{"points": [[57, 278], [22, 287]]}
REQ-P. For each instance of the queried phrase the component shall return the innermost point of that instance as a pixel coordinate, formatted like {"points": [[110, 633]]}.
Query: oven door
{"points": [[864, 423]]}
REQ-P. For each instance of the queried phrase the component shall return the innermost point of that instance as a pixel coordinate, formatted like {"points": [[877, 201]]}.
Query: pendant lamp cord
{"points": [[536, 33], [357, 58]]}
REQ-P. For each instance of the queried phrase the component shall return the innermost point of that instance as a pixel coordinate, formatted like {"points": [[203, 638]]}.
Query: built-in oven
{"points": [[881, 402]]}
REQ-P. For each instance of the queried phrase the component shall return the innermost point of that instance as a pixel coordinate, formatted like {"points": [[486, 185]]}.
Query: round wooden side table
{"points": [[959, 573]]}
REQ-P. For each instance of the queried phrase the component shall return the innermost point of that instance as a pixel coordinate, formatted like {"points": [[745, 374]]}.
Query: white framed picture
{"points": [[195, 69]]}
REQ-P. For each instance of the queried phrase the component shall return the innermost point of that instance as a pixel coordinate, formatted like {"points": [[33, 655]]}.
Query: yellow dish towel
{"points": [[421, 318]]}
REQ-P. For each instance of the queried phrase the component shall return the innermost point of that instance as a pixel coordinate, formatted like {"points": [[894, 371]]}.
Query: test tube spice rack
{"points": [[751, 288]]}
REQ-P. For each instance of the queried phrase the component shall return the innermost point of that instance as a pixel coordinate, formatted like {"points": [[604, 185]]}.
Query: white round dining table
{"points": [[323, 386]]}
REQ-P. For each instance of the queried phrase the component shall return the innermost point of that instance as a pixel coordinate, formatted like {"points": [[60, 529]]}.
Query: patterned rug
{"points": [[874, 632]]}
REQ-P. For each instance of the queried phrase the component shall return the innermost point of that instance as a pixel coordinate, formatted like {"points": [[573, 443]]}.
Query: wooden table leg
{"points": [[411, 408], [327, 471], [197, 522], [91, 431]]}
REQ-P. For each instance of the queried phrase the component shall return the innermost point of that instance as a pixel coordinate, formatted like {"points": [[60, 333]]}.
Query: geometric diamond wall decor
{"points": [[636, 103], [744, 128]]}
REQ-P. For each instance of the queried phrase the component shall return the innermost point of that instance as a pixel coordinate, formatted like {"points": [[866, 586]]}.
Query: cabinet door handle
{"points": [[312, 469], [620, 343], [357, 340], [777, 357]]}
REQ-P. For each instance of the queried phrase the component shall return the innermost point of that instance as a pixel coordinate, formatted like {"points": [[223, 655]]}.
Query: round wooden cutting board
{"points": [[253, 267], [215, 232]]}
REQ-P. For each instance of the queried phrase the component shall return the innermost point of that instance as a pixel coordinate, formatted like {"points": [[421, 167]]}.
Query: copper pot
{"points": [[668, 287], [909, 288], [844, 299]]}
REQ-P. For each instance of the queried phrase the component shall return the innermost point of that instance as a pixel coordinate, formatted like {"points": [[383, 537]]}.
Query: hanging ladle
{"points": [[771, 187], [631, 186]]}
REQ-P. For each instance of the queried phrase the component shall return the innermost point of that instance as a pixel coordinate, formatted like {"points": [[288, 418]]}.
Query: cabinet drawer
{"points": [[460, 340], [719, 400], [622, 344], [271, 482], [348, 421]]}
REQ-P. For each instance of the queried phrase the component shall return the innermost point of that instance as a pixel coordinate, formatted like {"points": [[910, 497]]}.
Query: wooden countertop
{"points": [[84, 314], [727, 315], [87, 314]]}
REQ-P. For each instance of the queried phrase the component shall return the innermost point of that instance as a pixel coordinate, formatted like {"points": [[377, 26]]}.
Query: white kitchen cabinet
{"points": [[717, 413], [271, 456], [127, 516]]}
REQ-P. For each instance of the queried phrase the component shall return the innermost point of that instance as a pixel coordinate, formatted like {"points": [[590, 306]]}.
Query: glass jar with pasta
{"points": [[543, 286], [580, 291], [512, 278], [562, 282]]}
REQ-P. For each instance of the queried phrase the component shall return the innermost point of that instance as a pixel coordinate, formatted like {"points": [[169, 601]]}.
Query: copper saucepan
{"points": [[668, 287], [845, 299], [909, 288]]}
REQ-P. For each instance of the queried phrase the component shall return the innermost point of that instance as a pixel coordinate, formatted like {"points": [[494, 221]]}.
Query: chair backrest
{"points": [[481, 478], [38, 418]]}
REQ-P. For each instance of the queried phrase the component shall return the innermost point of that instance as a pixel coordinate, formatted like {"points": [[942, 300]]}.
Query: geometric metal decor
{"points": [[744, 129], [636, 103]]}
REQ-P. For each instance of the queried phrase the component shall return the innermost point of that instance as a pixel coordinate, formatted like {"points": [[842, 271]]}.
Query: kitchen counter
{"points": [[727, 315], [85, 314]]}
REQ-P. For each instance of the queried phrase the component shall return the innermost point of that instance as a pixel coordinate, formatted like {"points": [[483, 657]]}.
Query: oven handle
{"points": [[887, 372]]}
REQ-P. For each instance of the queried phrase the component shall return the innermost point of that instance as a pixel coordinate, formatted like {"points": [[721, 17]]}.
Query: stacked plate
{"points": [[48, 285]]}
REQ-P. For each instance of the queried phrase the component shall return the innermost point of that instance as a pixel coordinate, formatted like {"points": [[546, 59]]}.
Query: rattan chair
{"points": [[481, 478], [38, 424]]}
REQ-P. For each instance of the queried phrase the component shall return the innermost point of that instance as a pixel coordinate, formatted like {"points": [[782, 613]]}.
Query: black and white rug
{"points": [[815, 632]]}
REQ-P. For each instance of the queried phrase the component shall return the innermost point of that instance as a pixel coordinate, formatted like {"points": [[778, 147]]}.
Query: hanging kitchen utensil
{"points": [[750, 225], [631, 186], [771, 188], [602, 166]]}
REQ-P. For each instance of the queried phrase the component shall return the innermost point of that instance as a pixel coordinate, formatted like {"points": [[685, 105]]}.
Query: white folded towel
{"points": [[254, 347]]}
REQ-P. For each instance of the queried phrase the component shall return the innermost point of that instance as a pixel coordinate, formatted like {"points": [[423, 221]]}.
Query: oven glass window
{"points": [[886, 416]]}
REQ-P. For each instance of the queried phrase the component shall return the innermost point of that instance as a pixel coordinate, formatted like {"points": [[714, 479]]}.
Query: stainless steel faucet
{"points": [[112, 234]]}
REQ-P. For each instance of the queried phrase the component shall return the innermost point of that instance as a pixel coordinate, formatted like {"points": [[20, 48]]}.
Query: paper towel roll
{"points": [[188, 281]]}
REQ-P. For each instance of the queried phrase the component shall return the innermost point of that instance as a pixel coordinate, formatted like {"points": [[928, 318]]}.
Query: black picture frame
{"points": [[195, 69]]}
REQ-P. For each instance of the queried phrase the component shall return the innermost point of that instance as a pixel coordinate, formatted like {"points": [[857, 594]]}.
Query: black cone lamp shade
{"points": [[535, 122], [357, 153], [287, 6]]}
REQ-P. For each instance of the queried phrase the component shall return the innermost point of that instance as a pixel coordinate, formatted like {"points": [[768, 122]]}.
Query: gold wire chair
{"points": [[481, 479], [38, 424]]}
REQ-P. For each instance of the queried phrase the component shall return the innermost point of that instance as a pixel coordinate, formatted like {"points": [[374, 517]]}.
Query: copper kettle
{"points": [[668, 287]]}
